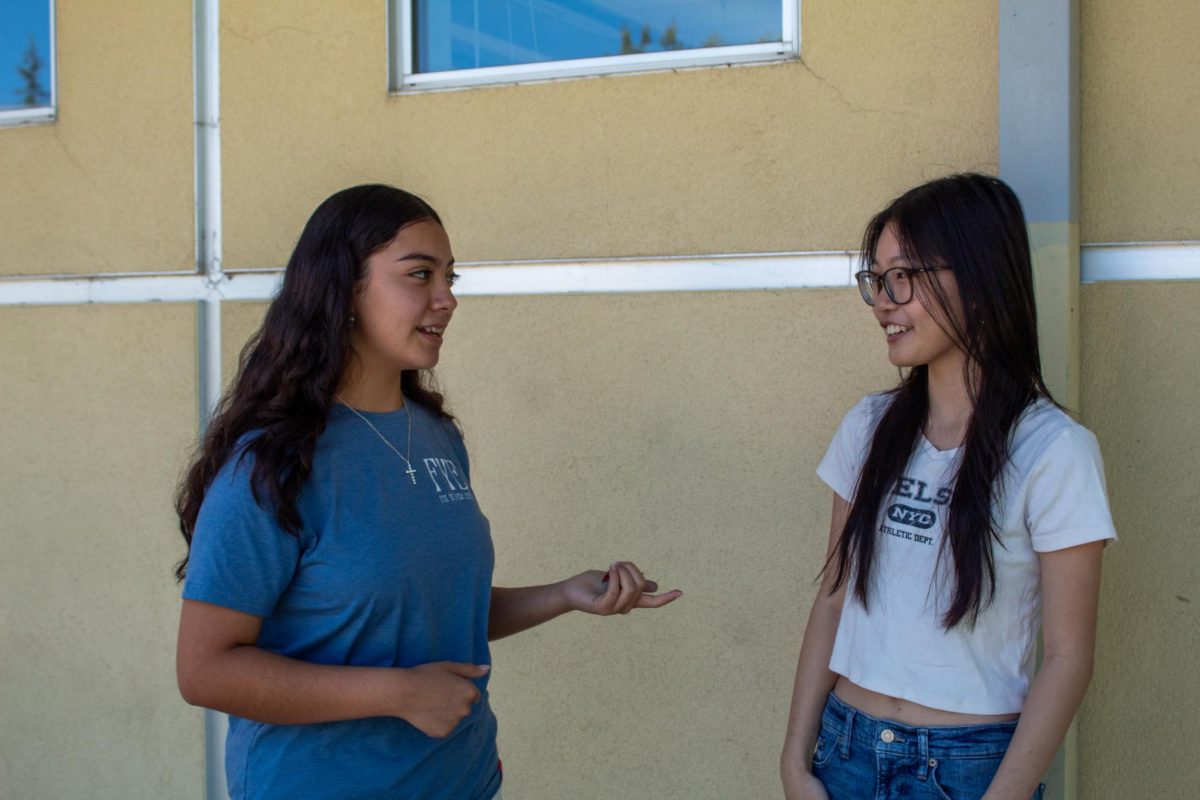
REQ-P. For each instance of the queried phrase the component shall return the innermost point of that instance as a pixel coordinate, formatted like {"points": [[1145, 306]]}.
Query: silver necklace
{"points": [[412, 473]]}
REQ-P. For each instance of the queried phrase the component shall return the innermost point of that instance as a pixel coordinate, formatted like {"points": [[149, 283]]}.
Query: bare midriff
{"points": [[897, 709]]}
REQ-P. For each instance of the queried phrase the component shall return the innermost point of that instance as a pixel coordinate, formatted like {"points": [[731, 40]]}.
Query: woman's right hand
{"points": [[438, 695], [800, 784]]}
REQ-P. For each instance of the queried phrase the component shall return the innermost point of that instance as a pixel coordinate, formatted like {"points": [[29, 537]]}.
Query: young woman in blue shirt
{"points": [[338, 601]]}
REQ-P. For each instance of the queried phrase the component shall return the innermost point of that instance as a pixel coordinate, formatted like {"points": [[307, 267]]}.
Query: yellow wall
{"points": [[1140, 113], [108, 186], [679, 429], [788, 157], [97, 418], [1139, 724], [1140, 181]]}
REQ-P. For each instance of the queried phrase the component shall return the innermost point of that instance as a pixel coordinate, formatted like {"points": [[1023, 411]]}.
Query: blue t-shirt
{"points": [[384, 573]]}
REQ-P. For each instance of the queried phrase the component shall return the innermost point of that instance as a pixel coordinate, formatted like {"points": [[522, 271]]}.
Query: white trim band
{"points": [[717, 273], [139, 289], [1151, 261], [703, 274]]}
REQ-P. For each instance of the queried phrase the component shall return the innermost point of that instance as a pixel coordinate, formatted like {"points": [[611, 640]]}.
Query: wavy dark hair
{"points": [[290, 368], [974, 224]]}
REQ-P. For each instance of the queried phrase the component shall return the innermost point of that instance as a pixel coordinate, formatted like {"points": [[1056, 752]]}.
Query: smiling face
{"points": [[914, 335], [405, 301]]}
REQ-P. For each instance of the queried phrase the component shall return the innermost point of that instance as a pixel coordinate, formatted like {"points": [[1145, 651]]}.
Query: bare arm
{"points": [[1070, 594], [814, 680], [219, 666], [618, 591]]}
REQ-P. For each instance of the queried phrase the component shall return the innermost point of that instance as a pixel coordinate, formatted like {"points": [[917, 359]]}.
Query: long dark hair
{"points": [[974, 224], [290, 368]]}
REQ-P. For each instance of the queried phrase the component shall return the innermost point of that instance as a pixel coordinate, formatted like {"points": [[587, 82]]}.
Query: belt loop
{"points": [[851, 712], [923, 752]]}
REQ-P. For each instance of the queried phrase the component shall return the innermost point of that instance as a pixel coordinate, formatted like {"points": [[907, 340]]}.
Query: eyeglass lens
{"points": [[896, 282]]}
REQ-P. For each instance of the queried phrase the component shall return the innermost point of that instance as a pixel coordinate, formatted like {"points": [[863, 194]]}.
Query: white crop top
{"points": [[1052, 497]]}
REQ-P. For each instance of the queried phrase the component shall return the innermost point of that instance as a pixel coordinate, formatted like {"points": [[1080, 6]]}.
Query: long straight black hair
{"points": [[973, 224], [290, 368]]}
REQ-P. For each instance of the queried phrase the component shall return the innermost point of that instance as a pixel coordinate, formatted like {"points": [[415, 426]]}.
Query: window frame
{"points": [[402, 79], [38, 115]]}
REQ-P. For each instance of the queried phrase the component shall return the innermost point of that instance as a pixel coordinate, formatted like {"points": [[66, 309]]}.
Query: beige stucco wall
{"points": [[1138, 726], [97, 416], [786, 157], [108, 186], [681, 431], [1140, 111], [1140, 181]]}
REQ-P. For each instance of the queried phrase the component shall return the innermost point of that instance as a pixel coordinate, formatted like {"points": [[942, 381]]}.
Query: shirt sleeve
{"points": [[844, 459], [240, 557], [1066, 502]]}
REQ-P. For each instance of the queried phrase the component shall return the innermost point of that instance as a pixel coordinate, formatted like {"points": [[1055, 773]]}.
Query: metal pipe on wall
{"points": [[207, 98]]}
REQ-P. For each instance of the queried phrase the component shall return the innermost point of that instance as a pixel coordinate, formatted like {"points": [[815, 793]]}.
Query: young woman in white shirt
{"points": [[969, 512]]}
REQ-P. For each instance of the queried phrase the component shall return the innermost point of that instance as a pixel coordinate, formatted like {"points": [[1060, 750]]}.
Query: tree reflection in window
{"points": [[466, 34], [25, 74]]}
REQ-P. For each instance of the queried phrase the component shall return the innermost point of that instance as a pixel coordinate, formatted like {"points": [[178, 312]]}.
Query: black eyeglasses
{"points": [[897, 282]]}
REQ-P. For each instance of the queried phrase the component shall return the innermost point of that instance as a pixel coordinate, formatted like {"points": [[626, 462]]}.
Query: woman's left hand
{"points": [[618, 591]]}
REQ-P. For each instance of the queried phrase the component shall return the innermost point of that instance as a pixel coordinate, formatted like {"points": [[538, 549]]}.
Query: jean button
{"points": [[888, 735]]}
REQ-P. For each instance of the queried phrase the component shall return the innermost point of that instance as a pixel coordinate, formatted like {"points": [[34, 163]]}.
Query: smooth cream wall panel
{"points": [[786, 157], [1140, 114], [108, 186], [1138, 726], [99, 409], [681, 431]]}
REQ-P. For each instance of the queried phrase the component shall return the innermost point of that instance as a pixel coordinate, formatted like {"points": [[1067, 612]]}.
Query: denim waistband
{"points": [[897, 739]]}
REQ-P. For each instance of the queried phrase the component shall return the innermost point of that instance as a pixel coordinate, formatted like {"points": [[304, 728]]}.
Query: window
{"points": [[451, 43], [26, 61]]}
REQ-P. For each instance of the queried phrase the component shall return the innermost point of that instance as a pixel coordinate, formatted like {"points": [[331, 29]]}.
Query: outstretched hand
{"points": [[618, 591]]}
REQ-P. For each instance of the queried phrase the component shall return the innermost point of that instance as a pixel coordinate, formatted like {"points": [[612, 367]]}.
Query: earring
{"points": [[353, 319]]}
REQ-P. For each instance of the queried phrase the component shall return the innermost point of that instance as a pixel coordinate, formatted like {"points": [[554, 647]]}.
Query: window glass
{"points": [[26, 79], [466, 34]]}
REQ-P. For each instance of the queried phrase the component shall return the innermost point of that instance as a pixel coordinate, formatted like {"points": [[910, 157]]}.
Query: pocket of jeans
{"points": [[962, 778], [826, 745]]}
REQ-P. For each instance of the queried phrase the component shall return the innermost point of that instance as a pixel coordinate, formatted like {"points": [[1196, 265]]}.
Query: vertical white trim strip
{"points": [[206, 48], [207, 74], [209, 351], [790, 16], [53, 57], [403, 44]]}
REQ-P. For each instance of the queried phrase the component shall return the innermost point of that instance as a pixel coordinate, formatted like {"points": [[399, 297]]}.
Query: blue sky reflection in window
{"points": [[464, 34], [24, 54]]}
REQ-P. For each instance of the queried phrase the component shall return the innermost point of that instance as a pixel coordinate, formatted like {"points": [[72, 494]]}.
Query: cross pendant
{"points": [[412, 474]]}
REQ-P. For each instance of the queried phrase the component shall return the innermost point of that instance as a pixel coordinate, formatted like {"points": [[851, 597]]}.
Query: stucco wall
{"points": [[786, 157], [680, 430], [1138, 726], [97, 417], [1140, 111], [108, 186]]}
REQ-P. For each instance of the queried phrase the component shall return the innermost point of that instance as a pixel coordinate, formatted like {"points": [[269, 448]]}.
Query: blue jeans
{"points": [[859, 757]]}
